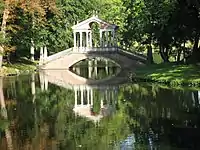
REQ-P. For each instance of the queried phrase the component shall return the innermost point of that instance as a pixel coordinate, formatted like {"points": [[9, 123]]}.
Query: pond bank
{"points": [[17, 68], [171, 74]]}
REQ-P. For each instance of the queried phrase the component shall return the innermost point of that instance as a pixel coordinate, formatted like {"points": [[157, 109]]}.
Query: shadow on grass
{"points": [[23, 61], [171, 73]]}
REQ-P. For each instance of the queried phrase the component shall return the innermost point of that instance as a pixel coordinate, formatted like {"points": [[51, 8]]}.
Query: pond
{"points": [[37, 113]]}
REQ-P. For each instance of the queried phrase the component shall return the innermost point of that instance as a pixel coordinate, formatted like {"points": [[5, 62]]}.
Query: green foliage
{"points": [[4, 124], [165, 26], [1, 7], [168, 24]]}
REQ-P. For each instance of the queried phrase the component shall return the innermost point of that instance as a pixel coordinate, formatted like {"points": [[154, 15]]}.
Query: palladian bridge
{"points": [[55, 69], [89, 45]]}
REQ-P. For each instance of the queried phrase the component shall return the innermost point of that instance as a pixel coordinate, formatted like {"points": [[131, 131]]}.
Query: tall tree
{"points": [[38, 7]]}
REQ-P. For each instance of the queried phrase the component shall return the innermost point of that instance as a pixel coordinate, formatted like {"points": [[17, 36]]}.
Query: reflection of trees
{"points": [[4, 116], [50, 121], [157, 109]]}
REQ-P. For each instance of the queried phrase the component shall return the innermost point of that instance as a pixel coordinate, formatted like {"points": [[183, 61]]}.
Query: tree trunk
{"points": [[149, 54], [195, 51], [179, 55], [196, 43], [164, 53], [3, 32]]}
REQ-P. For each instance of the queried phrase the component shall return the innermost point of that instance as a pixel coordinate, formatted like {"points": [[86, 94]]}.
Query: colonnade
{"points": [[83, 38], [85, 97], [43, 54], [43, 82]]}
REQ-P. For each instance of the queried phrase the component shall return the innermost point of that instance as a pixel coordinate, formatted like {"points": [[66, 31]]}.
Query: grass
{"points": [[169, 73], [21, 66]]}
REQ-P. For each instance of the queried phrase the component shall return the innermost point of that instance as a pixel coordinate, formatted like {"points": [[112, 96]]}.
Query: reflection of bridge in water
{"points": [[86, 91], [55, 68]]}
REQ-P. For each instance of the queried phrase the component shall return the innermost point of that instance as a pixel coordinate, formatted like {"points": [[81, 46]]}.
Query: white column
{"points": [[81, 96], [41, 55], [88, 97], [95, 67], [81, 39], [90, 38], [89, 69], [87, 42], [41, 76], [106, 38], [33, 84], [101, 103], [100, 38], [46, 83], [113, 38], [74, 39], [106, 66], [78, 70], [91, 96], [32, 50], [76, 97], [45, 53]]}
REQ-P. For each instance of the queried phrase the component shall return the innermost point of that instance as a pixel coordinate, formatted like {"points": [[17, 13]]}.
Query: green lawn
{"points": [[170, 74], [19, 67]]}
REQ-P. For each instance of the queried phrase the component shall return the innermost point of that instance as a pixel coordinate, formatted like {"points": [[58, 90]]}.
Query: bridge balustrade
{"points": [[94, 49], [58, 55]]}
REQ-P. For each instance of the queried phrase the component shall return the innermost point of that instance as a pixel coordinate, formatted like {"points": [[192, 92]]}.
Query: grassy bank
{"points": [[171, 74], [18, 67]]}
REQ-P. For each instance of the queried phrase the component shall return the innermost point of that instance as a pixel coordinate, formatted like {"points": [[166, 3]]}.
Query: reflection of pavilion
{"points": [[84, 103], [87, 92]]}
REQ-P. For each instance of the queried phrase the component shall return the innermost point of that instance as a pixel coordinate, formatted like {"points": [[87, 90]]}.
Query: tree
{"points": [[38, 7]]}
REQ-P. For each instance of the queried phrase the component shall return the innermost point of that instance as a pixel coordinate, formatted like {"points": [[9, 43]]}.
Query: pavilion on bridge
{"points": [[84, 39]]}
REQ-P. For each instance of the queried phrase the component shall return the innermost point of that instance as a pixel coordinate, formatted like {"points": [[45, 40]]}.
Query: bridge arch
{"points": [[85, 57], [65, 61]]}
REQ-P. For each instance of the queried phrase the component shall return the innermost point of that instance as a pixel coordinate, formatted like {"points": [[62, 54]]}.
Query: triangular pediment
{"points": [[85, 25]]}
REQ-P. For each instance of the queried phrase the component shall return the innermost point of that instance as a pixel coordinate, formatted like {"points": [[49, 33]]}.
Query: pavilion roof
{"points": [[86, 24]]}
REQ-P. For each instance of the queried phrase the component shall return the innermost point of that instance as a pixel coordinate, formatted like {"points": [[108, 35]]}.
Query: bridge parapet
{"points": [[58, 55], [133, 53], [94, 49], [66, 58]]}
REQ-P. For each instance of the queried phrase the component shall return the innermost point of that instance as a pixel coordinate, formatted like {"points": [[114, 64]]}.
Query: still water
{"points": [[38, 113]]}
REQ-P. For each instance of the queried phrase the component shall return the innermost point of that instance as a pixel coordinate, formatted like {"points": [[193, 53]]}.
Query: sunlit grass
{"points": [[171, 74], [19, 67]]}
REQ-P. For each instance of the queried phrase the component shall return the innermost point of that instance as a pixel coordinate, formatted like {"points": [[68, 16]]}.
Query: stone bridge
{"points": [[88, 45], [69, 57]]}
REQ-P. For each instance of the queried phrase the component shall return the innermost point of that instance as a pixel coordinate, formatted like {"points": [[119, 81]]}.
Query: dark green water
{"points": [[134, 116]]}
